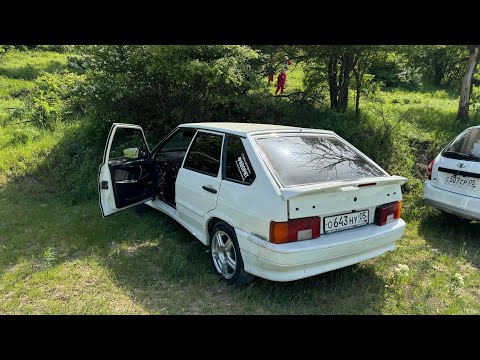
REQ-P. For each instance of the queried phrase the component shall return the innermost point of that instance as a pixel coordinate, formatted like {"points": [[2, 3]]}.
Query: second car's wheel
{"points": [[454, 219], [226, 257]]}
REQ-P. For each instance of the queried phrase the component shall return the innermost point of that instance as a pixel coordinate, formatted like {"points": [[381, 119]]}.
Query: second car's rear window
{"points": [[465, 147], [309, 159]]}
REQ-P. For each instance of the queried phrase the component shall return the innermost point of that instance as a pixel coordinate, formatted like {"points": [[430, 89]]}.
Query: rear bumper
{"points": [[292, 261], [450, 202]]}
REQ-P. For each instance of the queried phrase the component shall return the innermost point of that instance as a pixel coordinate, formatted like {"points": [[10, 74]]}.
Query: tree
{"points": [[159, 86], [359, 71], [333, 64], [438, 64], [466, 89], [337, 65], [339, 69]]}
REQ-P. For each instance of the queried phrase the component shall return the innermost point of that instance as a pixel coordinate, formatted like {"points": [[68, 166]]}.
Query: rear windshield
{"points": [[304, 159], [465, 147]]}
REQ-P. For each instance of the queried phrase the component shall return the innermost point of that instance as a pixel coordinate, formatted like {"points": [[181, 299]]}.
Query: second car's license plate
{"points": [[461, 181], [345, 221]]}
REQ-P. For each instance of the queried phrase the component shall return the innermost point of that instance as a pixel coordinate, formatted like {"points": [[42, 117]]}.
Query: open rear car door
{"points": [[127, 173]]}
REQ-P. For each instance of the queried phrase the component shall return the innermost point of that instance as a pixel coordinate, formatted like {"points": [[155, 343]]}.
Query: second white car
{"points": [[453, 183]]}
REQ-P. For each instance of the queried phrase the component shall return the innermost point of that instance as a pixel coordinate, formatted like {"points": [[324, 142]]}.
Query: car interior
{"points": [[168, 159]]}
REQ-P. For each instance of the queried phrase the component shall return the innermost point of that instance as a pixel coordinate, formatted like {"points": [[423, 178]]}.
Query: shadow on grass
{"points": [[454, 239], [180, 264], [452, 93], [354, 289]]}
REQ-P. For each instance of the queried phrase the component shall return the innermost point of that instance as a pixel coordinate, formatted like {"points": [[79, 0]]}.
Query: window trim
{"points": [[224, 162], [220, 170]]}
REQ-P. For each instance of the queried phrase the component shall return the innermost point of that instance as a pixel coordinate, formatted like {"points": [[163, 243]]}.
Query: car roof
{"points": [[242, 129]]}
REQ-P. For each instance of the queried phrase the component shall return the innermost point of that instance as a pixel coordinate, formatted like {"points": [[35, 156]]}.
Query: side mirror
{"points": [[131, 153]]}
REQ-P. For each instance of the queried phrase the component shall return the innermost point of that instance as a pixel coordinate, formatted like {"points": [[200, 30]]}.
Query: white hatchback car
{"points": [[453, 183], [282, 203]]}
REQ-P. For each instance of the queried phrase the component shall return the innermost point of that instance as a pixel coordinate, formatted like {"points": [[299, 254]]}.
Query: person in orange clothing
{"points": [[281, 79]]}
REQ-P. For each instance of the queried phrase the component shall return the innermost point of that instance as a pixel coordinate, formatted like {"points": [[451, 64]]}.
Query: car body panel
{"points": [[293, 261], [192, 199], [464, 206], [344, 199], [193, 202], [439, 175], [106, 180]]}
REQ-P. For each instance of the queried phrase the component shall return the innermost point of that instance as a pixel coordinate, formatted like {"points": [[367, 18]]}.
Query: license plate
{"points": [[462, 181], [345, 221]]}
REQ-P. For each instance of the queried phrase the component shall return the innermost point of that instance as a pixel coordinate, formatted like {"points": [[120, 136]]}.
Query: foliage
{"points": [[54, 97], [159, 86], [337, 68], [438, 64], [386, 68]]}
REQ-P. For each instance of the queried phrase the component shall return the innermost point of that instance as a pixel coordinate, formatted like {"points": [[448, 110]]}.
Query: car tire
{"points": [[226, 258], [142, 209]]}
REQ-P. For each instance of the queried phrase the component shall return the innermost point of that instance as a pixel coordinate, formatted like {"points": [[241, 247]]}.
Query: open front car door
{"points": [[127, 173]]}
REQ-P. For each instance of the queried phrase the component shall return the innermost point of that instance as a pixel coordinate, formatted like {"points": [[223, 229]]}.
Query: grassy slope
{"points": [[61, 258]]}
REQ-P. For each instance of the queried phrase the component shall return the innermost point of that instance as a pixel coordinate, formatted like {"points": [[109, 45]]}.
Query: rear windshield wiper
{"points": [[459, 155]]}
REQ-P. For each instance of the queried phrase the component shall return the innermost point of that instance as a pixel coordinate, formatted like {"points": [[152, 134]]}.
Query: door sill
{"points": [[173, 213]]}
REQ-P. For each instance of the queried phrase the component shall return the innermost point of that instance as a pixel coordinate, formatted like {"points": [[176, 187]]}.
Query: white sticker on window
{"points": [[243, 167]]}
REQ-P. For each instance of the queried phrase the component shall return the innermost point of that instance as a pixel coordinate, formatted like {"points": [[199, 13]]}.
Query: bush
{"points": [[386, 69], [54, 48], [161, 86], [410, 78], [53, 97], [440, 94], [19, 137]]}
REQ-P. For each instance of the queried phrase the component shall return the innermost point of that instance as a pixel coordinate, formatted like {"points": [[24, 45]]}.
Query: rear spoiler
{"points": [[292, 192]]}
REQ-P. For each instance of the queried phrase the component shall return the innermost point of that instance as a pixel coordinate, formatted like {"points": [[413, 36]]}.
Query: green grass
{"points": [[131, 263], [29, 65], [59, 256]]}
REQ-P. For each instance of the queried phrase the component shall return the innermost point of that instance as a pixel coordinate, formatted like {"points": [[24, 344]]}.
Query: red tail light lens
{"points": [[429, 170], [294, 230], [388, 213]]}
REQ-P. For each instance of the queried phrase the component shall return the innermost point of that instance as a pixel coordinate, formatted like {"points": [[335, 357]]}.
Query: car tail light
{"points": [[294, 230], [388, 212], [429, 170]]}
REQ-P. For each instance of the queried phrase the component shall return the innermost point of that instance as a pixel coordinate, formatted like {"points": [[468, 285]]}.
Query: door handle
{"points": [[209, 189]]}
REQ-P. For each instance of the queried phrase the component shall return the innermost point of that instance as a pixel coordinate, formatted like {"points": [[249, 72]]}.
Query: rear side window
{"points": [[465, 147], [204, 154], [238, 166], [310, 159]]}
